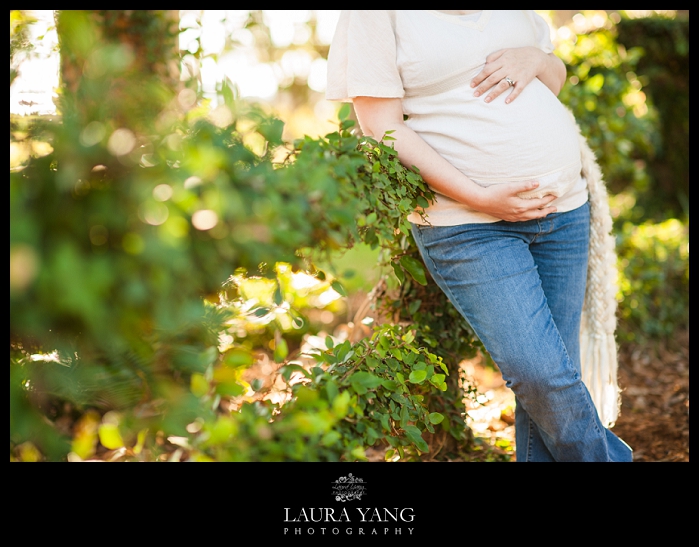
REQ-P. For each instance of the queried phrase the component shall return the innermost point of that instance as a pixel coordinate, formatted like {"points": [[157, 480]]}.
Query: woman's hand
{"points": [[521, 65], [502, 201]]}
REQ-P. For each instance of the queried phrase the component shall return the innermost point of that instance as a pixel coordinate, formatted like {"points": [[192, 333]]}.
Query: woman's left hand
{"points": [[519, 65]]}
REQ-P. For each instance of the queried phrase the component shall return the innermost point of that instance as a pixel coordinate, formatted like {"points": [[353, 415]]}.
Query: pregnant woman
{"points": [[471, 98]]}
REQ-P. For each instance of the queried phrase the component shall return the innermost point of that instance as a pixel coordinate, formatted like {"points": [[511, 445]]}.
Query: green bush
{"points": [[654, 280], [604, 92], [663, 64], [146, 286], [628, 86]]}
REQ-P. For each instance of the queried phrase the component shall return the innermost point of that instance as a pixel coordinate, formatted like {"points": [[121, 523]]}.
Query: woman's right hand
{"points": [[502, 201]]}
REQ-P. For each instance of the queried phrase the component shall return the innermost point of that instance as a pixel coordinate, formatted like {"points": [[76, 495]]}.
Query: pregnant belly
{"points": [[533, 137]]}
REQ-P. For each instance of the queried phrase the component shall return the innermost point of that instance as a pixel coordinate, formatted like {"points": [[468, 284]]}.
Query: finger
{"points": [[512, 96], [490, 82], [546, 211], [496, 90], [541, 203], [487, 70], [480, 80], [494, 56], [523, 186], [538, 213], [516, 90]]}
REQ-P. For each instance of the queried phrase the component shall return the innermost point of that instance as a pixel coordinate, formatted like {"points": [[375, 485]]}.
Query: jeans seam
{"points": [[593, 410]]}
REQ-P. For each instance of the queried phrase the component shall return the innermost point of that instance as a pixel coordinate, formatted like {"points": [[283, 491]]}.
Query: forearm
{"points": [[552, 73], [441, 175], [412, 150], [378, 116]]}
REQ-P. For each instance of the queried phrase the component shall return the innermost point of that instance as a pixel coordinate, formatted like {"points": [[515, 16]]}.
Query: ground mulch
{"points": [[654, 417]]}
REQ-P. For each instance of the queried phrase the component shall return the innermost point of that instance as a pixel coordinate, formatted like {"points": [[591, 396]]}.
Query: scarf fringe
{"points": [[599, 373], [598, 349]]}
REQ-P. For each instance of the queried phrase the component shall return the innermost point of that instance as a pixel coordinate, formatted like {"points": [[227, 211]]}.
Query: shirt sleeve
{"points": [[543, 32], [362, 57]]}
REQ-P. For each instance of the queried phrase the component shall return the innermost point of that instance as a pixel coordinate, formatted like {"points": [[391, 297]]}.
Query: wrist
{"points": [[474, 195]]}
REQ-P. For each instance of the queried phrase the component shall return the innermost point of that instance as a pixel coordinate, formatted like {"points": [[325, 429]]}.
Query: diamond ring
{"points": [[510, 81]]}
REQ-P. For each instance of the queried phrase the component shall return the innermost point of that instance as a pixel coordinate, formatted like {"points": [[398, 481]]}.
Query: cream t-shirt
{"points": [[427, 58]]}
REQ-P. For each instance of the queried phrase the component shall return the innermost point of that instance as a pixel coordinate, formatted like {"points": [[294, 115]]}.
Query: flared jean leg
{"points": [[514, 282]]}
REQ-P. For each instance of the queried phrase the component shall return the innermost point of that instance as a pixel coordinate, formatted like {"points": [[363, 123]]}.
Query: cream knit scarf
{"points": [[598, 350]]}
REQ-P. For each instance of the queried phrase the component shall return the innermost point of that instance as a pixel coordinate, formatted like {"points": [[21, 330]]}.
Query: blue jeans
{"points": [[521, 285]]}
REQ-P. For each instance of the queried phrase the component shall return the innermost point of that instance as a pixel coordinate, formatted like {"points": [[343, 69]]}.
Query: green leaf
{"points": [[337, 286], [415, 268], [404, 417], [436, 417], [140, 441], [372, 436], [305, 396], [390, 385], [417, 376], [199, 385], [110, 437], [414, 306], [399, 272], [208, 356], [278, 296], [372, 362], [344, 111], [438, 379], [422, 202], [364, 381], [257, 384], [229, 92], [287, 370], [344, 352], [281, 350], [340, 404], [272, 130], [385, 420], [358, 453], [230, 389], [330, 438], [384, 342], [415, 435], [261, 311], [238, 357], [332, 390]]}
